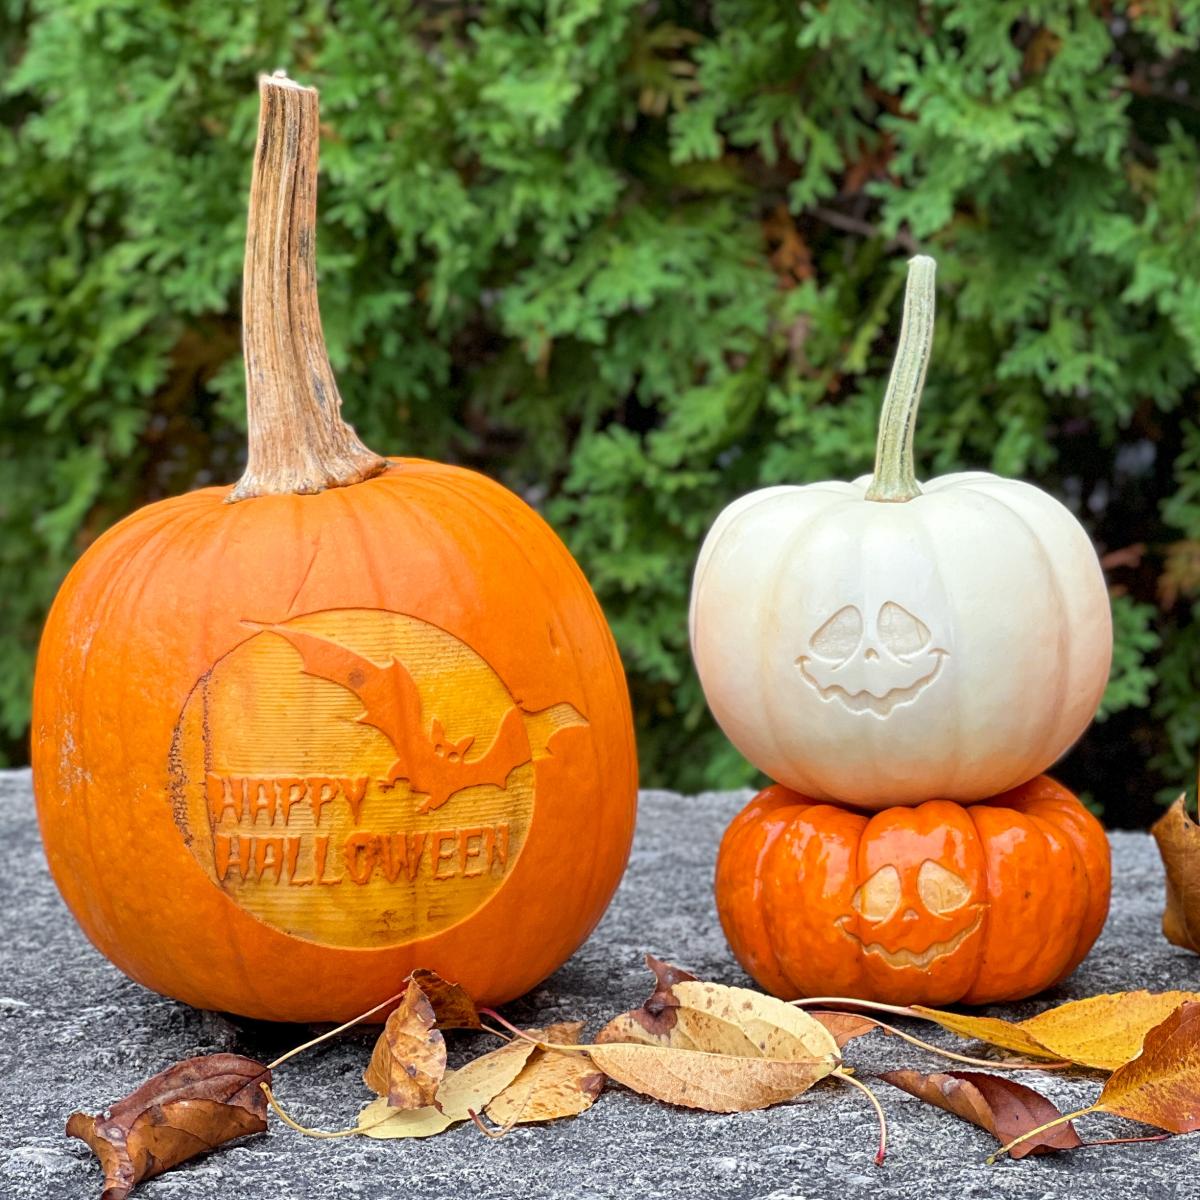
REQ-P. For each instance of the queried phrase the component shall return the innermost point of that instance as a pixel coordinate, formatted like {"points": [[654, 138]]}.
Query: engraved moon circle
{"points": [[304, 813]]}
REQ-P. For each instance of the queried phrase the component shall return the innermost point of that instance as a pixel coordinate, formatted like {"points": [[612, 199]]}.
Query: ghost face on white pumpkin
{"points": [[871, 663], [880, 642]]}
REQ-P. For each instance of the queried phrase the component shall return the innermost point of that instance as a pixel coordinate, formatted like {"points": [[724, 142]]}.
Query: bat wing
{"points": [[542, 726], [390, 700], [433, 765]]}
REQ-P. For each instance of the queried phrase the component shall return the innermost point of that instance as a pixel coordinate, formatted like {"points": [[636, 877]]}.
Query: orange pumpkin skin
{"points": [[169, 643], [938, 904]]}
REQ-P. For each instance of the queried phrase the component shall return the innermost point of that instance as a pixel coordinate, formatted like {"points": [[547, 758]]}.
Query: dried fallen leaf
{"points": [[1161, 1086], [1105, 1031], [189, 1108], [1101, 1031], [686, 1014], [845, 1027], [1008, 1035], [715, 1082], [409, 1059], [1005, 1108], [552, 1083], [462, 1092], [1178, 838], [775, 1028], [452, 1007]]}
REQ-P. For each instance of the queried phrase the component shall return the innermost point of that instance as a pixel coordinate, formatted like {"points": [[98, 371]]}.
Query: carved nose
{"points": [[910, 915], [872, 655]]}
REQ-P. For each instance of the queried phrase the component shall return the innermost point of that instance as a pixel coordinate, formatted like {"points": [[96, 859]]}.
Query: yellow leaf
{"points": [[1103, 1031], [689, 1030], [377, 1120], [776, 1029], [715, 1082], [1006, 1034], [686, 1014], [467, 1090], [552, 1084]]}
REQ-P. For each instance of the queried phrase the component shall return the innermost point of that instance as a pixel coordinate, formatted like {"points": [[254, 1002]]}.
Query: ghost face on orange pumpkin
{"points": [[919, 903], [911, 915]]}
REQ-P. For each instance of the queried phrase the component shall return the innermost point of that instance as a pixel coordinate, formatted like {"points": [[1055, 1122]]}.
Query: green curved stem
{"points": [[895, 480]]}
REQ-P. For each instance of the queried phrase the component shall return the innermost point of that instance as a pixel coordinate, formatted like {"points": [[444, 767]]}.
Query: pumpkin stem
{"points": [[298, 442], [895, 480]]}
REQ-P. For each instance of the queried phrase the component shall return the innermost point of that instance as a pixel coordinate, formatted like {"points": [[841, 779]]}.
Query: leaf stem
{"points": [[324, 1037], [895, 480], [1062, 1120], [1149, 1137], [304, 1129], [1020, 1064], [850, 1002], [881, 1153]]}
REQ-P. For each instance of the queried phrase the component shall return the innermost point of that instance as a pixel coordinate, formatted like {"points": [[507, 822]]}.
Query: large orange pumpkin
{"points": [[937, 904], [367, 718]]}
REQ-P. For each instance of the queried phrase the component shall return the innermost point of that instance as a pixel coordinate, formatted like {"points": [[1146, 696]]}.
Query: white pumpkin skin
{"points": [[950, 646], [1017, 656]]}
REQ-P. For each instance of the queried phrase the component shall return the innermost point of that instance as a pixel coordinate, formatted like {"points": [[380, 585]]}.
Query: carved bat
{"points": [[433, 765]]}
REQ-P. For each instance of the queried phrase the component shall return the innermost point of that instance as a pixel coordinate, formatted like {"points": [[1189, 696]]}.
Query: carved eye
{"points": [[941, 890], [879, 897], [838, 638], [901, 632]]}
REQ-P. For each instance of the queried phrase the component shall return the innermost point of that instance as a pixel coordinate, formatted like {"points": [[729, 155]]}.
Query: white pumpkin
{"points": [[880, 642]]}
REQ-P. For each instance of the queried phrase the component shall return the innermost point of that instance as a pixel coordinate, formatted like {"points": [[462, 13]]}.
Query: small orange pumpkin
{"points": [[354, 716], [934, 904]]}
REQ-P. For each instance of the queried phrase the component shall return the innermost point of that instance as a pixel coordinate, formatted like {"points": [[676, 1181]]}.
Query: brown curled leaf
{"points": [[409, 1058], [1005, 1108], [657, 1014], [188, 1109], [552, 1084], [452, 1007], [1178, 838]]}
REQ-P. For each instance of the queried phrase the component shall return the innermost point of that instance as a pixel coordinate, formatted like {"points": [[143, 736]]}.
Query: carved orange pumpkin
{"points": [[934, 904], [369, 717]]}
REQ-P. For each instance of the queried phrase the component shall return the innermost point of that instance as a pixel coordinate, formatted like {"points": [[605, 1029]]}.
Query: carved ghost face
{"points": [[912, 914], [871, 664]]}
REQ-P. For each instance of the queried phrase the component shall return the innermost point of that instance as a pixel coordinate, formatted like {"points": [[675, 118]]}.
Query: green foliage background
{"points": [[634, 259]]}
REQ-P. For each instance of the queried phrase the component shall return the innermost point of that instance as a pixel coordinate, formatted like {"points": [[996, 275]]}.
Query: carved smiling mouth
{"points": [[910, 958], [865, 701]]}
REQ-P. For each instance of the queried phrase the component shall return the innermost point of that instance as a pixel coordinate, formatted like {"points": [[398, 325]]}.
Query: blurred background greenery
{"points": [[633, 259]]}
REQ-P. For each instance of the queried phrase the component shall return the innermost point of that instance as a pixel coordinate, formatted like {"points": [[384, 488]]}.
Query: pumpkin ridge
{"points": [[1078, 903], [526, 511], [767, 713], [115, 590], [1062, 671]]}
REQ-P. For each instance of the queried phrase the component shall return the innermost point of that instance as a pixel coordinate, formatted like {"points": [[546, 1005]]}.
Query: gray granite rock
{"points": [[75, 1033]]}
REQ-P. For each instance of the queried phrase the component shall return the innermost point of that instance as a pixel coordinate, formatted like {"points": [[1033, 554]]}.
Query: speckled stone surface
{"points": [[75, 1033]]}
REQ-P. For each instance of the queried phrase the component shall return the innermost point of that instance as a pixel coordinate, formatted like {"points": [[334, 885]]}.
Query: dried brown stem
{"points": [[297, 441]]}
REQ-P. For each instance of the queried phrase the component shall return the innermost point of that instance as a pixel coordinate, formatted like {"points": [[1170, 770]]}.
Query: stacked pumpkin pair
{"points": [[905, 661]]}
